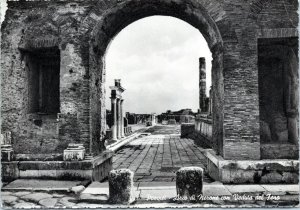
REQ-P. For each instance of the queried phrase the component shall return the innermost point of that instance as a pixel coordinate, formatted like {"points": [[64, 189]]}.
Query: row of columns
{"points": [[117, 110]]}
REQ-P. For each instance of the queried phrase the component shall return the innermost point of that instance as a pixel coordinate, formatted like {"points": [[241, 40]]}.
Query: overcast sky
{"points": [[3, 7], [157, 60]]}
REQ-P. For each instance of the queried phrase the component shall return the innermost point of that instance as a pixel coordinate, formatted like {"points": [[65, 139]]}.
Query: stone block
{"points": [[74, 152], [121, 186], [289, 177], [187, 129], [271, 178], [189, 182]]}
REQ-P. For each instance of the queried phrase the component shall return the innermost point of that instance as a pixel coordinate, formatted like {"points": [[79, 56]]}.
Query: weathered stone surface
{"points": [[9, 198], [288, 177], [85, 197], [215, 190], [36, 197], [21, 193], [120, 186], [97, 188], [40, 184], [262, 171], [67, 202], [3, 193], [77, 189], [242, 189], [272, 177], [25, 205], [48, 202], [82, 32], [189, 182]]}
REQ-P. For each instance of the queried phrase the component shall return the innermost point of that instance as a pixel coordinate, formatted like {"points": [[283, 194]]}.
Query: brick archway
{"points": [[198, 14]]}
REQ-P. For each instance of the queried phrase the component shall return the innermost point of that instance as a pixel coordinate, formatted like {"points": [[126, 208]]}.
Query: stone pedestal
{"points": [[7, 152], [74, 152], [189, 182], [121, 186]]}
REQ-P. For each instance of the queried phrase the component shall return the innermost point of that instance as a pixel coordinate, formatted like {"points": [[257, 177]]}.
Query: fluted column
{"points": [[122, 118], [114, 118]]}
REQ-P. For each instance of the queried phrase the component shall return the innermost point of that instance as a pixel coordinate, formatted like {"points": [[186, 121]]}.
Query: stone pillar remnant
{"points": [[202, 85], [189, 182], [121, 186]]}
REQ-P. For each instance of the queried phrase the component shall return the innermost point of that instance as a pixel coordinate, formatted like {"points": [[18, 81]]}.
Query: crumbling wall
{"points": [[30, 27]]}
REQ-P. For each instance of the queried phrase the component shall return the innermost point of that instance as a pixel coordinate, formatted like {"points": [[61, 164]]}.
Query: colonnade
{"points": [[117, 111]]}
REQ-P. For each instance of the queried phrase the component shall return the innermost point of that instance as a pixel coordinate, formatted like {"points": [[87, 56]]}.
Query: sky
{"points": [[3, 8], [157, 60]]}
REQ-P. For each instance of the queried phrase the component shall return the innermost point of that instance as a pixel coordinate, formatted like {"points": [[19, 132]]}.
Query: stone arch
{"points": [[113, 20]]}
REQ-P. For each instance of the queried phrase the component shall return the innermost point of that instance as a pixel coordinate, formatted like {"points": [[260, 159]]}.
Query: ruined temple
{"points": [[53, 83]]}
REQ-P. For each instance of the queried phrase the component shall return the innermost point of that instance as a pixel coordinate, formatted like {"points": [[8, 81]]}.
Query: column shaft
{"points": [[122, 119], [114, 118]]}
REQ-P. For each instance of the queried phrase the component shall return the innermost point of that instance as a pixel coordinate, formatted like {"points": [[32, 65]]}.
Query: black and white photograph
{"points": [[149, 104]]}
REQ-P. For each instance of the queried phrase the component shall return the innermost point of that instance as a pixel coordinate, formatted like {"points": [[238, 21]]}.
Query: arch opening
{"points": [[126, 13]]}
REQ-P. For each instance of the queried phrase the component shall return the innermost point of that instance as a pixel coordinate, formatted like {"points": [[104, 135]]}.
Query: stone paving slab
{"points": [[245, 188], [97, 188], [41, 185], [215, 190], [157, 195], [157, 185], [280, 189]]}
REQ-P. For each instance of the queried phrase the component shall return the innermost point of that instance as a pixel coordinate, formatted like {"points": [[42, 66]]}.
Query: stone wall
{"points": [[82, 30]]}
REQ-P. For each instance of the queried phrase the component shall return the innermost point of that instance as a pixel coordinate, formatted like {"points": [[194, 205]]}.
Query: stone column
{"points": [[114, 118], [119, 119], [202, 84], [122, 118]]}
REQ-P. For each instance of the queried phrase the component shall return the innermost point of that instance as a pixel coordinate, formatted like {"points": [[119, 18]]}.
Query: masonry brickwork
{"points": [[82, 30]]}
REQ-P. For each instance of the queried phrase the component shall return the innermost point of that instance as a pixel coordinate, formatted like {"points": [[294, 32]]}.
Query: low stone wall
{"points": [[200, 132], [95, 169], [203, 126], [255, 171]]}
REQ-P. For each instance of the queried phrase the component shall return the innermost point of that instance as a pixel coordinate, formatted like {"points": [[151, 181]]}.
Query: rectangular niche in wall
{"points": [[43, 67], [278, 97]]}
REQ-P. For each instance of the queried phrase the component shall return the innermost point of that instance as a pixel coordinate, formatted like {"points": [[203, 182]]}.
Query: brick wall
{"points": [[83, 29]]}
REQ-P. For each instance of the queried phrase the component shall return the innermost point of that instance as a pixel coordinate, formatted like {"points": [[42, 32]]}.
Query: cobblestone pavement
{"points": [[157, 157]]}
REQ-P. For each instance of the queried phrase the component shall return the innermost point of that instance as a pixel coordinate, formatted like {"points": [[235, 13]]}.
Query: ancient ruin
{"points": [[117, 110], [53, 86]]}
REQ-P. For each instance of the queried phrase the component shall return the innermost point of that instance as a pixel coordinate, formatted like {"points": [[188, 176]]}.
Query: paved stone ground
{"points": [[157, 157], [153, 194], [154, 158]]}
